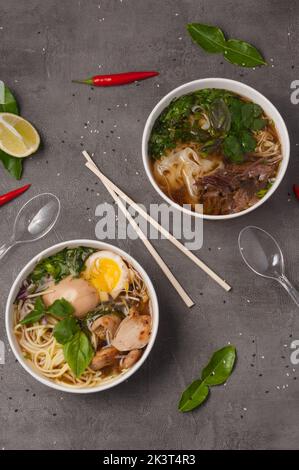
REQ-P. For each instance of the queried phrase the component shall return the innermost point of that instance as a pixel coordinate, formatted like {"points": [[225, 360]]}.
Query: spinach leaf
{"points": [[13, 165], [62, 264], [36, 314], [78, 353], [10, 104], [216, 372], [65, 330], [61, 308], [211, 39]]}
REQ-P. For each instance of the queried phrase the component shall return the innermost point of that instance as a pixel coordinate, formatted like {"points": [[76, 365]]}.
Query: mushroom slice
{"points": [[106, 323], [103, 358], [133, 332], [131, 358]]}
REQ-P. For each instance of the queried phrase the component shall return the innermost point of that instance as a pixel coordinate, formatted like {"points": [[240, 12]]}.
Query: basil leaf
{"points": [[65, 330], [10, 104], [220, 366], [242, 53], [78, 353], [13, 165], [237, 52], [210, 38], [216, 372], [61, 308], [193, 396], [36, 314]]}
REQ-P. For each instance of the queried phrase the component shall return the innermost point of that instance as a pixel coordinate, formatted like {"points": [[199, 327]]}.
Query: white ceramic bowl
{"points": [[236, 87], [29, 268]]}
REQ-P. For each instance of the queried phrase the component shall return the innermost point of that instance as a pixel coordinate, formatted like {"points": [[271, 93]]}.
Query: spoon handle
{"points": [[294, 294], [4, 249]]}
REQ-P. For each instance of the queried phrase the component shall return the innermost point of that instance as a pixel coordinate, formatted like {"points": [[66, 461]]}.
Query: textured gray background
{"points": [[43, 46]]}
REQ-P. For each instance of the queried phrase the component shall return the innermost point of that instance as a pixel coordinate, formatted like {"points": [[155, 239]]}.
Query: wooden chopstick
{"points": [[180, 290], [157, 226]]}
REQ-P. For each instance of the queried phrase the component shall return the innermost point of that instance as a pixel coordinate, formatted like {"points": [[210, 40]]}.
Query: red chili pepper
{"points": [[12, 194], [117, 78], [296, 190]]}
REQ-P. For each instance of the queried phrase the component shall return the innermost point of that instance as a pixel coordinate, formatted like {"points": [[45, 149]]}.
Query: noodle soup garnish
{"points": [[215, 148], [83, 317]]}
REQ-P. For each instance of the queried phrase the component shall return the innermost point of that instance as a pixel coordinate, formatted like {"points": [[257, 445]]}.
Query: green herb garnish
{"points": [[77, 348], [232, 122], [69, 261], [216, 372], [78, 353], [12, 164], [36, 314], [212, 40]]}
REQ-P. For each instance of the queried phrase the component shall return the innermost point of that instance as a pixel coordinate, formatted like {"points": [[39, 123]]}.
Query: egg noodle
{"points": [[45, 354], [41, 349]]}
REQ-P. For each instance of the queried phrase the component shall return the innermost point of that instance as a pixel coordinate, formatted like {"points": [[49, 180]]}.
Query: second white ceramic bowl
{"points": [[29, 268], [240, 89]]}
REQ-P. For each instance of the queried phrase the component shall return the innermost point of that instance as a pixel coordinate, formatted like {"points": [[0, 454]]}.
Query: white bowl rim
{"points": [[29, 267], [223, 83]]}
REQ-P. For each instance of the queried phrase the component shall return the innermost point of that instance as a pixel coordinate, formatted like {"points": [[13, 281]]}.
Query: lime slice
{"points": [[17, 136]]}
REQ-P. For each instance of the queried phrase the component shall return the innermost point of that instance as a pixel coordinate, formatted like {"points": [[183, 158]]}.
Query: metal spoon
{"points": [[262, 254], [34, 220]]}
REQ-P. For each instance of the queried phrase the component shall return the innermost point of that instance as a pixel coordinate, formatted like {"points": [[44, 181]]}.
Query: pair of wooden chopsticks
{"points": [[116, 193]]}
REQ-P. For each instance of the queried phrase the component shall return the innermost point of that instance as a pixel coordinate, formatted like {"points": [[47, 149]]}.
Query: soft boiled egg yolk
{"points": [[107, 272]]}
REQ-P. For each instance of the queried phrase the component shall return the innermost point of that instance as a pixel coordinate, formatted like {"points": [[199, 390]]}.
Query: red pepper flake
{"points": [[296, 190]]}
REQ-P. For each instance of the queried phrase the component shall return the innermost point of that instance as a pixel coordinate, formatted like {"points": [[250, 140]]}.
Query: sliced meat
{"points": [[103, 358], [133, 332], [107, 323], [131, 358]]}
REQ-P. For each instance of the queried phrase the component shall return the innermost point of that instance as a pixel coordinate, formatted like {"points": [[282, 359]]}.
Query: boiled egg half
{"points": [[107, 273]]}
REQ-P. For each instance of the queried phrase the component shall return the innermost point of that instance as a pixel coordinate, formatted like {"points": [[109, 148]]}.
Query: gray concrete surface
{"points": [[43, 46]]}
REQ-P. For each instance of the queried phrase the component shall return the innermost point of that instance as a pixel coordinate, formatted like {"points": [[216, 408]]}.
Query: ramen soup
{"points": [[215, 148], [83, 317]]}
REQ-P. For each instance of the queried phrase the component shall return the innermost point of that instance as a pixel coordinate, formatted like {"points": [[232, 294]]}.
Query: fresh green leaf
{"points": [[220, 366], [193, 396], [13, 165], [258, 124], [220, 116], [69, 261], [61, 308], [242, 53], [232, 149], [248, 142], [65, 330], [36, 314], [216, 372], [10, 104], [78, 353], [178, 110], [210, 38]]}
